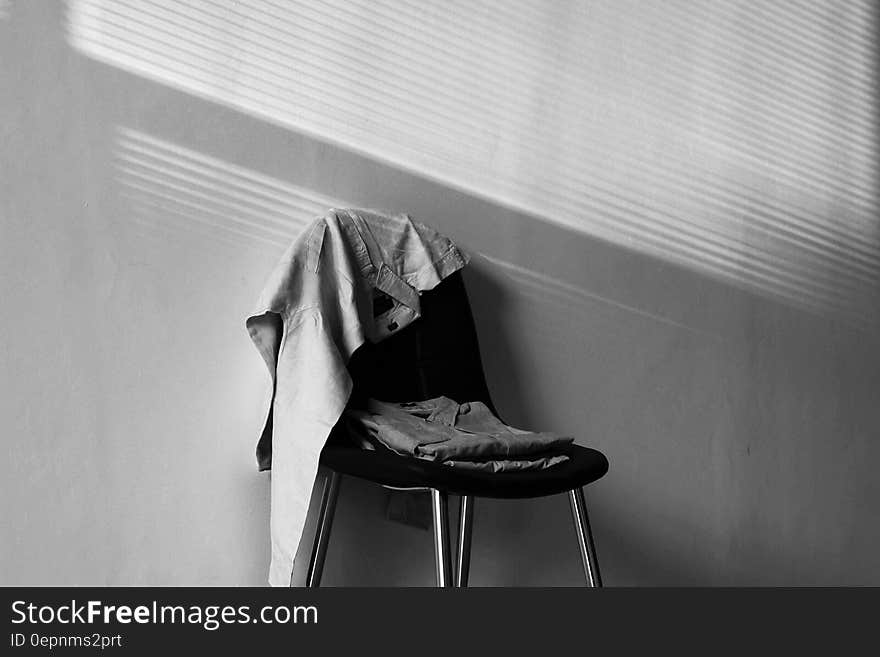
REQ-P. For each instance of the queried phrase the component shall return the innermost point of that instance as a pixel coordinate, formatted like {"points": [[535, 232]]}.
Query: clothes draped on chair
{"points": [[436, 357], [352, 276]]}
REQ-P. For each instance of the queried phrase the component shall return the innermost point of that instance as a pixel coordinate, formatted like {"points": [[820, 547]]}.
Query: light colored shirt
{"points": [[466, 436], [351, 276]]}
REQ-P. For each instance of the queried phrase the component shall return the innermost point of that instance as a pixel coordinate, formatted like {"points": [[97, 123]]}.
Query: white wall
{"points": [[742, 433]]}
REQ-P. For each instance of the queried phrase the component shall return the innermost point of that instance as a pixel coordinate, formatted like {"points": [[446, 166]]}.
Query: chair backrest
{"points": [[436, 355]]}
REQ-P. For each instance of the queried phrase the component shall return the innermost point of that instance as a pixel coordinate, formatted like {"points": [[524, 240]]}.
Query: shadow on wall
{"points": [[490, 300], [741, 432]]}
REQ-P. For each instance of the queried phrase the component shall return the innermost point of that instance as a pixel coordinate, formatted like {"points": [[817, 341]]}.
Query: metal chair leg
{"points": [[322, 531], [465, 525], [584, 536], [439, 504]]}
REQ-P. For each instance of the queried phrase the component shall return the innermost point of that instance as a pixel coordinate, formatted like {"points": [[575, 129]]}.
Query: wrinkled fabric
{"points": [[510, 465], [351, 276], [460, 435]]}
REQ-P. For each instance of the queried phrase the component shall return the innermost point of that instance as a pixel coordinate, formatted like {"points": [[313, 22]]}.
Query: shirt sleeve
{"points": [[312, 386]]}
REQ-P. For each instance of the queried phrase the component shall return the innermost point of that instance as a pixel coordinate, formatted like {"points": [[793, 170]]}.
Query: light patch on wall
{"points": [[738, 139], [5, 9], [168, 185]]}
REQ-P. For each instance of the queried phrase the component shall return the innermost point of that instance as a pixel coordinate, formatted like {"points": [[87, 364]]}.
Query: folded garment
{"points": [[461, 435], [510, 465]]}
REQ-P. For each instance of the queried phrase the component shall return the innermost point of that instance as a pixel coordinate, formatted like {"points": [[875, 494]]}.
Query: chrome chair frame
{"points": [[442, 552]]}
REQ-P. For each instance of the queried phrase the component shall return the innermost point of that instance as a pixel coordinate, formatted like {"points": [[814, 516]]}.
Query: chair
{"points": [[438, 355]]}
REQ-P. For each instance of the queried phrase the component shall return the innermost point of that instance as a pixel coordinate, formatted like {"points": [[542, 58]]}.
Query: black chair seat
{"points": [[383, 466]]}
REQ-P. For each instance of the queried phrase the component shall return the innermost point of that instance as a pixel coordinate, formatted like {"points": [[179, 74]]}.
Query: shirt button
{"points": [[392, 326]]}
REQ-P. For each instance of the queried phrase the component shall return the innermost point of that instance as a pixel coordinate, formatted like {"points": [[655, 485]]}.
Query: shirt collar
{"points": [[372, 264], [397, 288]]}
